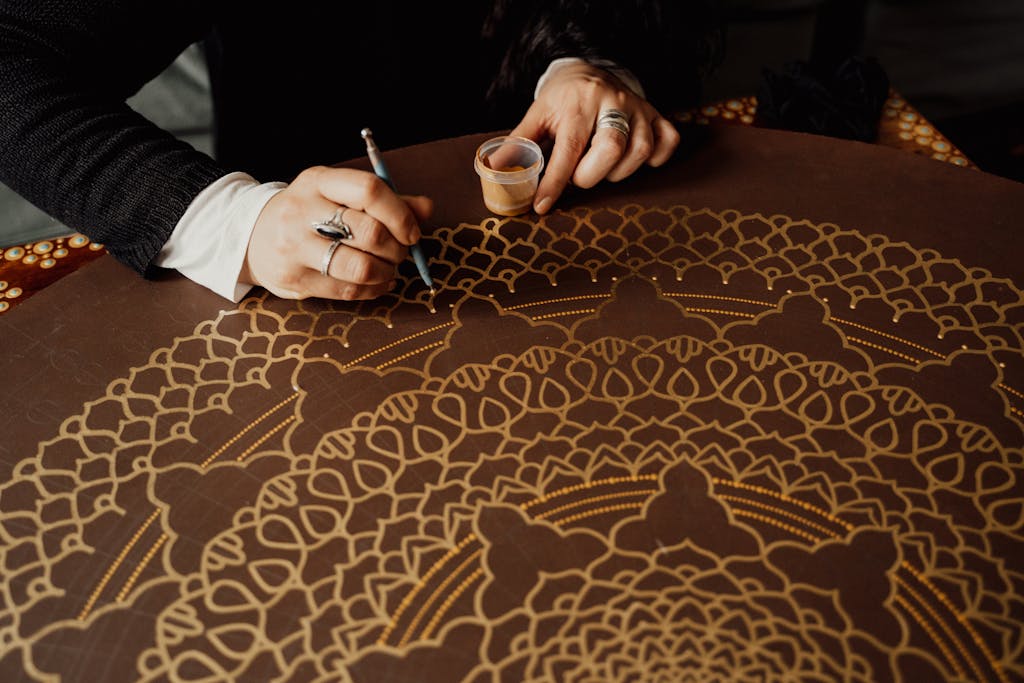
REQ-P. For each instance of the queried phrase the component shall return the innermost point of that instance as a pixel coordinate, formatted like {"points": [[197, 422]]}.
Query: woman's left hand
{"points": [[568, 108]]}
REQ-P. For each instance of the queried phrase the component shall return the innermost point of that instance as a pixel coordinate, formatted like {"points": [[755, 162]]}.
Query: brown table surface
{"points": [[28, 268], [756, 415]]}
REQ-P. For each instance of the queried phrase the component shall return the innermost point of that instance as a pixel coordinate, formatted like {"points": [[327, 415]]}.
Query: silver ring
{"points": [[613, 114], [334, 228], [325, 262], [615, 124], [615, 119]]}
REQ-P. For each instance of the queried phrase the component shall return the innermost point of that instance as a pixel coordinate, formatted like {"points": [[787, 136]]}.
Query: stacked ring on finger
{"points": [[615, 119], [335, 227], [325, 262]]}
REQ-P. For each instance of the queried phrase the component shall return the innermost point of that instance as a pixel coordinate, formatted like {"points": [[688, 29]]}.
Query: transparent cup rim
{"points": [[508, 177]]}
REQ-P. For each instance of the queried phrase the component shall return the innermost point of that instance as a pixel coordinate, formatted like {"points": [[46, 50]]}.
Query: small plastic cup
{"points": [[509, 168]]}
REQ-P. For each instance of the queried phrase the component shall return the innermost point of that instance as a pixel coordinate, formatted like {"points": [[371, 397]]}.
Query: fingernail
{"points": [[542, 205], [416, 234]]}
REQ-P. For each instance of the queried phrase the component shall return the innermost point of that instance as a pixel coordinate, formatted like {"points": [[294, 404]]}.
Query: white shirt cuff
{"points": [[624, 75], [208, 244]]}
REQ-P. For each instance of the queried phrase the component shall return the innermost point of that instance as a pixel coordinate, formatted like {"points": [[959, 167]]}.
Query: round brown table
{"points": [[758, 415]]}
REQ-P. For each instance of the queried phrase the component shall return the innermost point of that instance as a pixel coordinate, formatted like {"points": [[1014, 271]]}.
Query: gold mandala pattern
{"points": [[630, 444]]}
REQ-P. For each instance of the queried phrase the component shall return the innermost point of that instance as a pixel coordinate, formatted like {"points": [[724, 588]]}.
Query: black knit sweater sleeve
{"points": [[69, 142]]}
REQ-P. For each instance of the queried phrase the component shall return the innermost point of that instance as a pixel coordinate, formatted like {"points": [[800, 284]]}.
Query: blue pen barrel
{"points": [[382, 172]]}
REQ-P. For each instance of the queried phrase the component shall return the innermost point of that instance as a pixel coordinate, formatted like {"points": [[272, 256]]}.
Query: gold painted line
{"points": [[411, 595], [931, 634], [942, 597], [260, 441], [587, 485], [433, 596], [883, 348], [449, 601], [960, 618], [779, 511], [595, 499], [789, 499], [888, 336], [163, 537], [597, 511], [945, 629], [774, 522], [409, 354], [581, 311], [138, 534], [116, 563], [393, 344], [142, 565], [252, 424]]}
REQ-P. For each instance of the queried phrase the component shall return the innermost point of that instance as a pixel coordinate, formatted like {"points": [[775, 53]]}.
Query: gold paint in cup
{"points": [[509, 168]]}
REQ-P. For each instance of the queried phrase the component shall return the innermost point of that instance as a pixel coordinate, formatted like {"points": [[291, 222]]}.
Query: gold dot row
{"points": [[954, 662], [597, 511], [959, 617], [113, 567], [785, 513], [240, 434], [595, 499], [889, 336], [142, 565], [894, 352], [411, 595], [581, 311], [448, 601], [409, 354], [588, 485], [774, 522], [789, 499], [398, 342], [446, 605]]}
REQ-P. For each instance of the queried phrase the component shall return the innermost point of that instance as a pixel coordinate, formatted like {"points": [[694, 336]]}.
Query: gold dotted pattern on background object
{"points": [[741, 110], [442, 446], [912, 127], [44, 254]]}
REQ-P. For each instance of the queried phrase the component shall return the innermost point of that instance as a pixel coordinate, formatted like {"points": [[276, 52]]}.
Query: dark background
{"points": [[959, 62]]}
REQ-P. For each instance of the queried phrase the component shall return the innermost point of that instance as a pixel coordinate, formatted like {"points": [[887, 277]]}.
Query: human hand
{"points": [[285, 254], [567, 109]]}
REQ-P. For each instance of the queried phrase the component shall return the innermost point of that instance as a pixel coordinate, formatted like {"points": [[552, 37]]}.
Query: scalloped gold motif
{"points": [[620, 444]]}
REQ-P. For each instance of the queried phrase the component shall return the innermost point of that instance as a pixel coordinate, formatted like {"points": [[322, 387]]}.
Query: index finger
{"points": [[366, 192], [571, 140]]}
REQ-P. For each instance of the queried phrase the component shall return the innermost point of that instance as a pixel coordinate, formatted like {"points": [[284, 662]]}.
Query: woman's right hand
{"points": [[285, 254]]}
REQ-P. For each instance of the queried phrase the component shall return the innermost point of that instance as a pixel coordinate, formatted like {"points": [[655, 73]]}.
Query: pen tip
{"points": [[366, 132]]}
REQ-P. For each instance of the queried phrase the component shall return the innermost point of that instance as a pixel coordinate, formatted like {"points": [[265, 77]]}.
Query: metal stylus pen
{"points": [[382, 172]]}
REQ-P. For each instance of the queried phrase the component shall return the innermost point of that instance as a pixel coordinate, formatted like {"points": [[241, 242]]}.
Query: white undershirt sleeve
{"points": [[208, 244]]}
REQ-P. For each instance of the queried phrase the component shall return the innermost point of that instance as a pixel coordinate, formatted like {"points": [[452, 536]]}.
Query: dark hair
{"points": [[670, 46]]}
